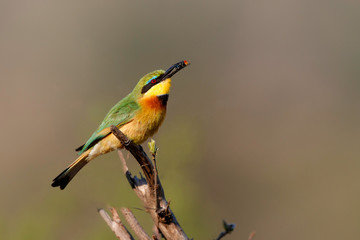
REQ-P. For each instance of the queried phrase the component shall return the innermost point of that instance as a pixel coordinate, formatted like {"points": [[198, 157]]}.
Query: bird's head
{"points": [[158, 82]]}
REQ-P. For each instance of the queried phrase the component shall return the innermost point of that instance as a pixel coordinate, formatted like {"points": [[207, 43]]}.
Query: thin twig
{"points": [[156, 182], [153, 150], [228, 229], [134, 224], [122, 158], [115, 224], [252, 235]]}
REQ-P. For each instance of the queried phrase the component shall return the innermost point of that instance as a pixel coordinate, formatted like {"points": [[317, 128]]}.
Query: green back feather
{"points": [[120, 114]]}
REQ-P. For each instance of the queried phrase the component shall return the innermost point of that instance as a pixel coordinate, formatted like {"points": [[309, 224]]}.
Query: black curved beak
{"points": [[174, 69]]}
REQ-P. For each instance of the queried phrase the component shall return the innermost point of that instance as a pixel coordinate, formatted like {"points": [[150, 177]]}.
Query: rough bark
{"points": [[151, 193]]}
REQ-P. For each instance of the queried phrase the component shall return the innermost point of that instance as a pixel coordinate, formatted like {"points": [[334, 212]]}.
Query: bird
{"points": [[138, 115]]}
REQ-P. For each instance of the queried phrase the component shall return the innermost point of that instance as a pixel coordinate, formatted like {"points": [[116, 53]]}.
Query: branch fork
{"points": [[149, 190], [151, 193]]}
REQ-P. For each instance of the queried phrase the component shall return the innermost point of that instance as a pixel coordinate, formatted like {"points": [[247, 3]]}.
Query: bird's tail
{"points": [[65, 176]]}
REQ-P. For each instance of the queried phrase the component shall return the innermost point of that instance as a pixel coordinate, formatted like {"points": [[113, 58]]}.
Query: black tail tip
{"points": [[62, 183], [61, 180]]}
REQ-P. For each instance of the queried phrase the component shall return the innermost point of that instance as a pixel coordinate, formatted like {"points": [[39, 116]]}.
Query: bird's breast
{"points": [[148, 120], [145, 123]]}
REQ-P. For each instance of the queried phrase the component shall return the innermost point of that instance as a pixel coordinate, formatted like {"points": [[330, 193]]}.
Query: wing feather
{"points": [[122, 113]]}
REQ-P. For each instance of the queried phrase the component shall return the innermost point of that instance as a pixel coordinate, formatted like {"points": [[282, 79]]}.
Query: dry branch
{"points": [[150, 191], [252, 235], [134, 224], [115, 224], [228, 229]]}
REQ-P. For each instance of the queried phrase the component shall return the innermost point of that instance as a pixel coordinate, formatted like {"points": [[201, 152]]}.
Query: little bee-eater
{"points": [[138, 115]]}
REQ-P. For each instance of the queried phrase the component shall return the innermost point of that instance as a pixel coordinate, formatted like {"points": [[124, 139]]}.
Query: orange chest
{"points": [[147, 120], [154, 102]]}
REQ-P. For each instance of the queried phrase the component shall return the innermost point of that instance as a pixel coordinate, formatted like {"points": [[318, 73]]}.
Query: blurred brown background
{"points": [[262, 129]]}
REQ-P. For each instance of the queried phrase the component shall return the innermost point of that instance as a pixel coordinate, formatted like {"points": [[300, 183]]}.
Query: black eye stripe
{"points": [[150, 84]]}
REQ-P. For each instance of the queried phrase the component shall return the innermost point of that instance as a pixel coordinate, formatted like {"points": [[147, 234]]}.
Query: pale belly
{"points": [[138, 130]]}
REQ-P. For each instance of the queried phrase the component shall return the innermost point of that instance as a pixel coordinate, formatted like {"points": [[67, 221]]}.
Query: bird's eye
{"points": [[153, 81]]}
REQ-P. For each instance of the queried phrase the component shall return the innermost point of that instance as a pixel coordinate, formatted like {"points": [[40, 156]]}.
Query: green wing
{"points": [[120, 114]]}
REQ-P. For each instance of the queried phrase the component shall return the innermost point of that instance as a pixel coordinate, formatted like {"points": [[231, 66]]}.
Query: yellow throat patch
{"points": [[159, 89]]}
